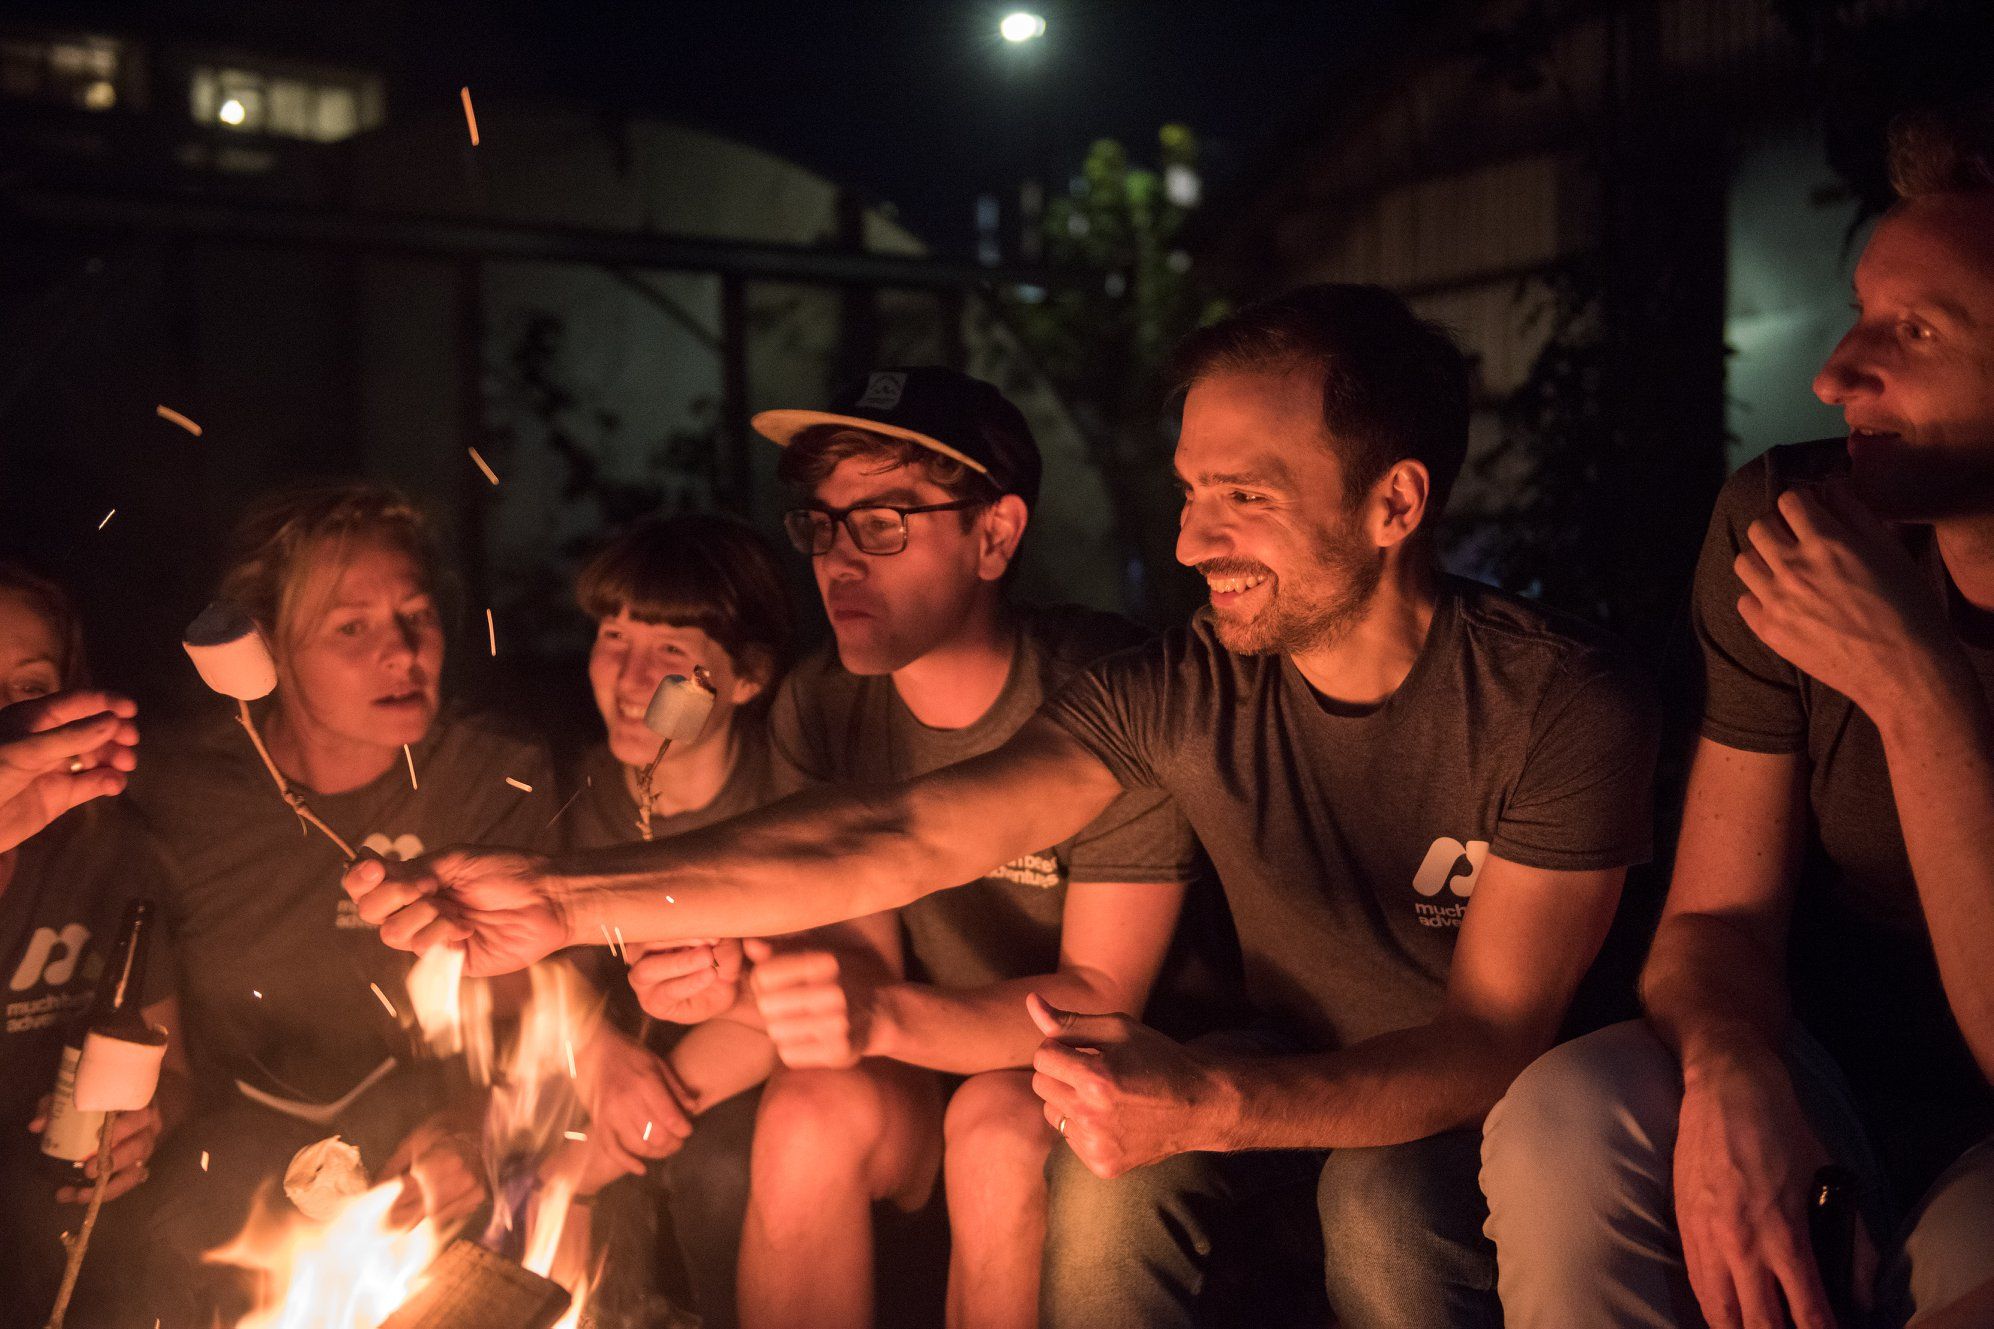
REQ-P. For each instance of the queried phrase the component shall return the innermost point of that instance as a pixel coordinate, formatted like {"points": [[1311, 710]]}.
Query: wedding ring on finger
{"points": [[76, 766]]}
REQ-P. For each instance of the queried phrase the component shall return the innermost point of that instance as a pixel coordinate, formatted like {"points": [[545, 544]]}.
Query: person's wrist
{"points": [[1932, 690], [576, 901], [884, 1026], [1725, 1052], [1220, 1107]]}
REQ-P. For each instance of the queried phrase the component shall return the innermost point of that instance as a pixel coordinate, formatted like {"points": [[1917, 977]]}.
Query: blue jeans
{"points": [[1579, 1161], [1401, 1234]]}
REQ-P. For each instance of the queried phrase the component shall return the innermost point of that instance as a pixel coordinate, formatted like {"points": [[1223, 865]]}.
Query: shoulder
{"points": [[1753, 488], [1534, 648]]}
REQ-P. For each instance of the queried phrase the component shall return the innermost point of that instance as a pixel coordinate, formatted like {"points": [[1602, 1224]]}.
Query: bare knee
{"points": [[997, 1140], [814, 1122]]}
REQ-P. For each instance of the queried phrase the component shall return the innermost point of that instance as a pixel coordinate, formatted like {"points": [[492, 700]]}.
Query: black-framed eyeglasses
{"points": [[875, 528]]}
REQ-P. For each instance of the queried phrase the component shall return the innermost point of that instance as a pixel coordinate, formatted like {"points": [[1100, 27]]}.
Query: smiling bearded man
{"points": [[1421, 796]]}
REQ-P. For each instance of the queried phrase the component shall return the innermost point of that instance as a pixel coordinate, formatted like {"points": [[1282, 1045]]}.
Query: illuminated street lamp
{"points": [[1020, 26]]}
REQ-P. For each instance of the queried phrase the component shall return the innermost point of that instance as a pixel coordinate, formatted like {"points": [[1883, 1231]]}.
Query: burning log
{"points": [[469, 1287]]}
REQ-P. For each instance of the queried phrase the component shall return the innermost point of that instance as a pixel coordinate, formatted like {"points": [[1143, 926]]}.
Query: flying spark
{"points": [[520, 785], [254, 993], [576, 1135], [670, 900], [567, 1046], [107, 519], [647, 1130], [609, 941], [470, 116], [169, 414], [383, 997], [413, 782], [483, 465], [491, 633], [204, 1160]]}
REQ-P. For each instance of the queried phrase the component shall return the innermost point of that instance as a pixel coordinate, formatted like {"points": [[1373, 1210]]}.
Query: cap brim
{"points": [[783, 426]]}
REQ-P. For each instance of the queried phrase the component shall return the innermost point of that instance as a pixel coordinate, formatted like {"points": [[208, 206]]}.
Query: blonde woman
{"points": [[295, 1011]]}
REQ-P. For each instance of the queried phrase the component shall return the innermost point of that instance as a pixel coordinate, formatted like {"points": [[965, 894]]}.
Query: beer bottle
{"points": [[69, 1137]]}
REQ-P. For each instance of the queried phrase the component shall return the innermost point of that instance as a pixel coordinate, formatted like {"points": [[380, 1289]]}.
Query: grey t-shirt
{"points": [[1860, 963], [1349, 844], [59, 918], [832, 726], [275, 963]]}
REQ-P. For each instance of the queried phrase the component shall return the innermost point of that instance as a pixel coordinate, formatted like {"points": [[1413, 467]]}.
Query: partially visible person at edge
{"points": [[1421, 796], [290, 1041], [1832, 881], [668, 596], [915, 490], [63, 895]]}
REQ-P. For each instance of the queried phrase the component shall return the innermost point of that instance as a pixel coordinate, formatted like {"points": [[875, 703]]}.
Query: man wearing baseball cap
{"points": [[915, 490]]}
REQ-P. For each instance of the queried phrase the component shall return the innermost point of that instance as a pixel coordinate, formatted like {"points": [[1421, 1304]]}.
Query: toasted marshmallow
{"points": [[228, 649], [118, 1074], [322, 1177], [679, 707]]}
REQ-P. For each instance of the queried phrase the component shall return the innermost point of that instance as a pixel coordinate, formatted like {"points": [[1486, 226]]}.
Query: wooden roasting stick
{"points": [[233, 658], [79, 1245], [677, 713]]}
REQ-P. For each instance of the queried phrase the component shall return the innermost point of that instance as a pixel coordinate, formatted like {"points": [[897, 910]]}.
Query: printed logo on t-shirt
{"points": [[400, 849], [1041, 870], [1453, 867], [49, 961]]}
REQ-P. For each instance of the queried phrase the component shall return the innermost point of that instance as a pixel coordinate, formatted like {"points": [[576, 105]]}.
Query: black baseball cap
{"points": [[956, 415]]}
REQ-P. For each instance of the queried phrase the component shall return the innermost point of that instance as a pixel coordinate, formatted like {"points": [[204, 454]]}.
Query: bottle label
{"points": [[70, 1135]]}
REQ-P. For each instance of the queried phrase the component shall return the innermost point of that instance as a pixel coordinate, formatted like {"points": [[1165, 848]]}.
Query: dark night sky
{"points": [[915, 102]]}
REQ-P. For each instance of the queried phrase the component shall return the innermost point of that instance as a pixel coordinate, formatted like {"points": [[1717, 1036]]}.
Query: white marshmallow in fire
{"points": [[118, 1074], [680, 707], [322, 1177], [230, 652]]}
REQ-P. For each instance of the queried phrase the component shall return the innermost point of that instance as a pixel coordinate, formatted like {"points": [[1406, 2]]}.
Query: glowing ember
{"points": [[520, 785], [479, 458], [169, 414], [471, 121]]}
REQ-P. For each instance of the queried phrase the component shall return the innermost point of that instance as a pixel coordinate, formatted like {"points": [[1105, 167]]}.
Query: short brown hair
{"points": [[698, 570], [53, 605], [284, 537], [1933, 152], [813, 454], [1393, 385]]}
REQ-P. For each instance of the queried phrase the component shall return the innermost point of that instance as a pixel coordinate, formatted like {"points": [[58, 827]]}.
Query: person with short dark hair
{"points": [[1421, 796], [670, 595], [1820, 988]]}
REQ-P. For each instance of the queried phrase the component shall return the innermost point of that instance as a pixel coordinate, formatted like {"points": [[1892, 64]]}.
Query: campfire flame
{"points": [[355, 1270]]}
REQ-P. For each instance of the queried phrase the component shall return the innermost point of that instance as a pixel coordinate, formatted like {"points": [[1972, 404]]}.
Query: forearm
{"points": [[1711, 989], [1397, 1087], [1939, 744], [720, 1058], [968, 1030], [818, 858]]}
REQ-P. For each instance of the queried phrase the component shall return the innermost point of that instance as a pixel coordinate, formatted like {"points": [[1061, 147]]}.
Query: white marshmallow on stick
{"points": [[118, 1074], [680, 707], [234, 659], [678, 712], [229, 651]]}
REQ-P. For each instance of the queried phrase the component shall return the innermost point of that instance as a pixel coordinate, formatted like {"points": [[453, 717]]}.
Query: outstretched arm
{"points": [[821, 857]]}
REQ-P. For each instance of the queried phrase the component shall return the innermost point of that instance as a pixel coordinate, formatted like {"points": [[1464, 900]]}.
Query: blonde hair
{"points": [[287, 537]]}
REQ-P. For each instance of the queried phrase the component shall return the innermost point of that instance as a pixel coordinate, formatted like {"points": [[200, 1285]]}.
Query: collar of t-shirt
{"points": [[1440, 642]]}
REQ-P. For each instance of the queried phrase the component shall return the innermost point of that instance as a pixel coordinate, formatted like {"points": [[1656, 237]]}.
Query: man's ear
{"points": [[1398, 502], [1000, 529]]}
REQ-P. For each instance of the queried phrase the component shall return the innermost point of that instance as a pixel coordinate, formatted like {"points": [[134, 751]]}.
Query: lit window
{"points": [[77, 71], [323, 106]]}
